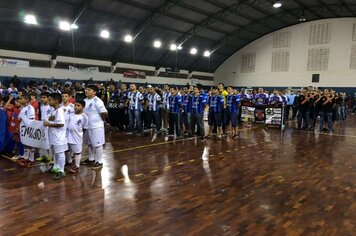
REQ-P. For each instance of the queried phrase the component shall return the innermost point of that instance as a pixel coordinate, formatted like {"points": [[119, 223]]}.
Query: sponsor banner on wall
{"points": [[34, 134], [135, 74], [14, 63], [88, 70]]}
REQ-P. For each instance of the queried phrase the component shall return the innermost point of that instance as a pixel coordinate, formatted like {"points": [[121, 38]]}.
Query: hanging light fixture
{"points": [[277, 4]]}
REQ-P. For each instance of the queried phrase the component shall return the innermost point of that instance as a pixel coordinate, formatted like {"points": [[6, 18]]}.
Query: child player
{"points": [[77, 123], [45, 112], [97, 113], [27, 113], [57, 135], [68, 109]]}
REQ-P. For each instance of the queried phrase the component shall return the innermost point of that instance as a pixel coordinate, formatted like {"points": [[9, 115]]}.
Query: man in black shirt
{"points": [[123, 109], [113, 107], [304, 112], [326, 103]]}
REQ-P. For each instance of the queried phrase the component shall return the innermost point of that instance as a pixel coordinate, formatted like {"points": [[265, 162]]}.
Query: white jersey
{"points": [[75, 128], [46, 111], [27, 113], [93, 108], [57, 135], [68, 111]]}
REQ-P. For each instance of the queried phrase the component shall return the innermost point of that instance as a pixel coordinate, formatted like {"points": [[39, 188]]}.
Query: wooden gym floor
{"points": [[266, 183]]}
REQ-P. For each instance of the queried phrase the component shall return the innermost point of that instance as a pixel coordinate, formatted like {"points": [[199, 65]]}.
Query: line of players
{"points": [[69, 124]]}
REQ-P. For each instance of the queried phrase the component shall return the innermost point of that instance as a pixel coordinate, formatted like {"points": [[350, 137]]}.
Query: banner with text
{"points": [[270, 114], [34, 134], [88, 70], [135, 74], [14, 63]]}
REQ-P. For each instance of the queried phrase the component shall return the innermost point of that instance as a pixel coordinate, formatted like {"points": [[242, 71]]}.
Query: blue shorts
{"points": [[231, 117]]}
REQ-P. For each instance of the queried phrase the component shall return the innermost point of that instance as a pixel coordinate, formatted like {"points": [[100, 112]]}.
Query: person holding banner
{"points": [[97, 113], [45, 112], [57, 135], [261, 98], [275, 98], [232, 107], [27, 113]]}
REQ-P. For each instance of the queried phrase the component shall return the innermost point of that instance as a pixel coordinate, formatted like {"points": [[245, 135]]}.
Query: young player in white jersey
{"points": [[68, 109], [97, 113], [45, 112], [57, 135], [78, 122], [27, 113]]}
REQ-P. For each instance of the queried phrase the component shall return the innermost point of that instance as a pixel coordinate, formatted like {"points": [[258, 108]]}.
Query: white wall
{"points": [[49, 73], [338, 73]]}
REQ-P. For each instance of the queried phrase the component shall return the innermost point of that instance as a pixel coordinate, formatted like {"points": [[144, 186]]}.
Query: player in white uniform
{"points": [[78, 122], [57, 135], [27, 113], [45, 112], [68, 109], [97, 113]]}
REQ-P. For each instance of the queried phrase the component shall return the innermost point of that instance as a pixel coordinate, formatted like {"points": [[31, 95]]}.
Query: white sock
{"points": [[55, 160], [26, 154], [32, 155], [91, 153], [77, 158], [99, 154], [61, 160]]}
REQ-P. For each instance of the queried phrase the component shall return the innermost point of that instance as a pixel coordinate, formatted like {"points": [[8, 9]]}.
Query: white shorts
{"points": [[76, 148], [59, 148], [95, 137]]}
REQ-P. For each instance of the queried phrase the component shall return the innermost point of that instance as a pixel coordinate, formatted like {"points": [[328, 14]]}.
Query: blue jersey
{"points": [[186, 103], [232, 103], [198, 103], [153, 102], [175, 103], [135, 99], [216, 103], [245, 97]]}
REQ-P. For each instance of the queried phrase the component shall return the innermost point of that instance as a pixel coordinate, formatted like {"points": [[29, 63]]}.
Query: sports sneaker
{"points": [[73, 169], [29, 164], [59, 175], [88, 162], [42, 158], [54, 170], [17, 157], [97, 166], [236, 136]]}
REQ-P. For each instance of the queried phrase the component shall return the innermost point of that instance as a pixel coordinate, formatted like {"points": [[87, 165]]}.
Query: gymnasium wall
{"points": [[41, 69], [289, 57]]}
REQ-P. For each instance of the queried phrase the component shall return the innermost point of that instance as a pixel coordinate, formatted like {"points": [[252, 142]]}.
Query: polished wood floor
{"points": [[266, 183]]}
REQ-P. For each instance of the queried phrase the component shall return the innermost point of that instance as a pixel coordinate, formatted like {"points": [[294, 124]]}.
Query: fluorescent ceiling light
{"points": [[193, 51], [64, 25], [105, 34], [128, 38], [277, 4], [30, 19], [207, 53], [157, 44], [173, 47]]}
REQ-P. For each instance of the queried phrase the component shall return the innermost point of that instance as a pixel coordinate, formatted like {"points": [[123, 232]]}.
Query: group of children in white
{"points": [[70, 125]]}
